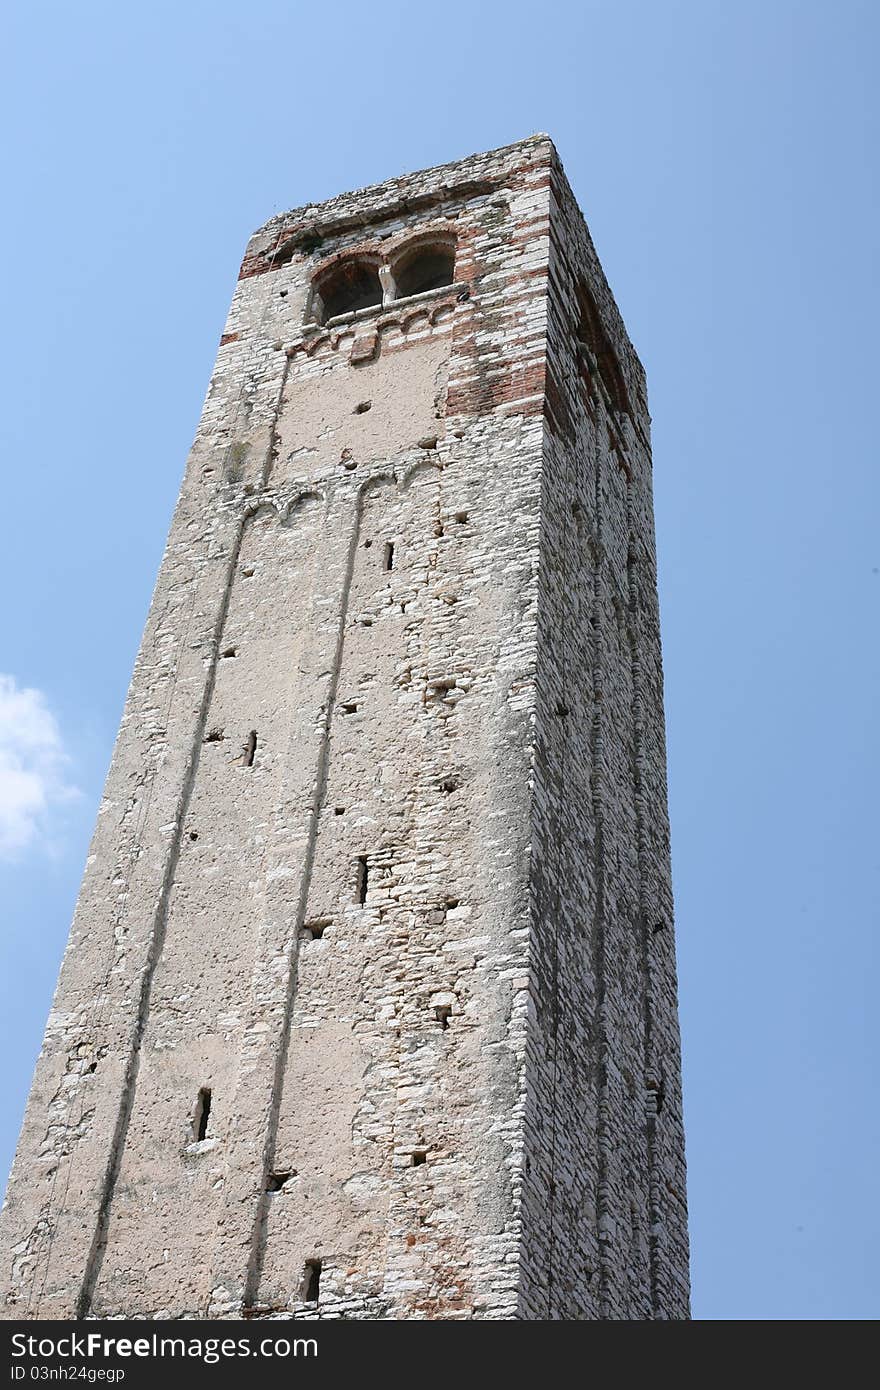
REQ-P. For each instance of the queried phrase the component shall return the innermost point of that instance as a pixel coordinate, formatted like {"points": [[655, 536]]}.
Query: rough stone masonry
{"points": [[369, 1006]]}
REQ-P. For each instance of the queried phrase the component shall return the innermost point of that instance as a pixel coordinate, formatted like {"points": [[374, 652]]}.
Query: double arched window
{"points": [[365, 280]]}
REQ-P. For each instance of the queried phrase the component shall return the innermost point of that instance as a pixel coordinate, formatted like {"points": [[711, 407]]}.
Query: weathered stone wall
{"points": [[604, 1211], [382, 862]]}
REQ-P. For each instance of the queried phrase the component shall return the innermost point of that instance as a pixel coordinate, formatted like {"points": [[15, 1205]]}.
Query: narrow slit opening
{"points": [[250, 748], [202, 1114], [361, 880], [388, 556], [311, 1285]]}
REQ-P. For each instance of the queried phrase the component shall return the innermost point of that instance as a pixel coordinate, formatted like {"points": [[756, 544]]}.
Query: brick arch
{"points": [[590, 334], [346, 282], [423, 262]]}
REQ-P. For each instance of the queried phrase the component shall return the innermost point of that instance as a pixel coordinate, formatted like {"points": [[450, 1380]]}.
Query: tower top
{"points": [[369, 217], [489, 167]]}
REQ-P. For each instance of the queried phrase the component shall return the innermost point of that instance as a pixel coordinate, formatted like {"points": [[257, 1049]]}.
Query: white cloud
{"points": [[33, 767]]}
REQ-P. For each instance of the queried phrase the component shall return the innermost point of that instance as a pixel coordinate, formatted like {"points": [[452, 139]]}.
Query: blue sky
{"points": [[725, 158]]}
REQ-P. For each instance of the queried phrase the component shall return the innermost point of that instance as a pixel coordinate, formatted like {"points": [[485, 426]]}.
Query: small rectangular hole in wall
{"points": [[388, 556], [349, 707], [250, 749], [311, 1284], [313, 931], [276, 1181], [363, 407], [230, 651], [339, 810], [418, 1156], [441, 1013], [361, 880], [202, 1114]]}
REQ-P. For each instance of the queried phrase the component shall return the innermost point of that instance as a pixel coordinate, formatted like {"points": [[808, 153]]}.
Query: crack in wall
{"points": [[122, 876], [256, 1257], [97, 1249]]}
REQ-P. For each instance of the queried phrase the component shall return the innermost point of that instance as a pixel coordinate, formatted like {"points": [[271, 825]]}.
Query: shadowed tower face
{"points": [[369, 1006]]}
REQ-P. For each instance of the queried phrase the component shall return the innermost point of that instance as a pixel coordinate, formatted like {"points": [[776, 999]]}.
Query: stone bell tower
{"points": [[369, 1005]]}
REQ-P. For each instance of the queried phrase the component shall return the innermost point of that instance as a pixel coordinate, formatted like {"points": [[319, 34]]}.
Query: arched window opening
{"points": [[591, 335], [424, 268], [349, 286]]}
